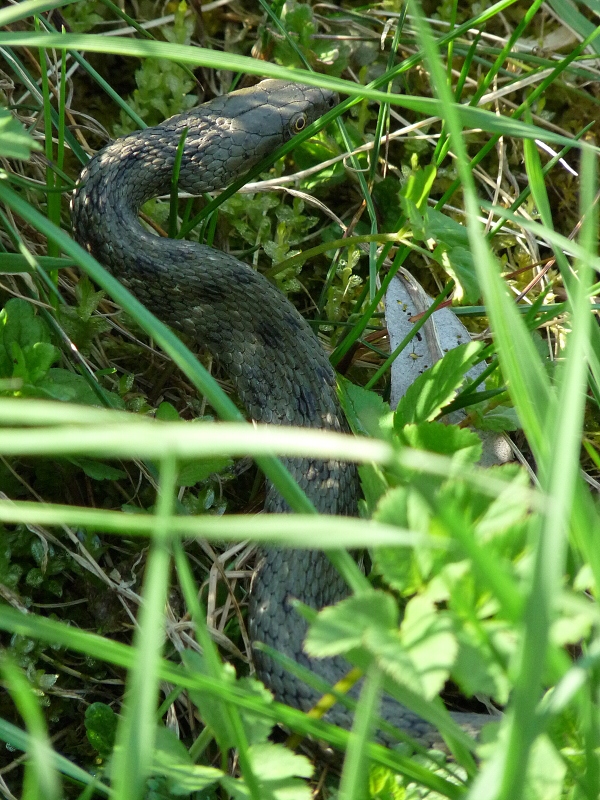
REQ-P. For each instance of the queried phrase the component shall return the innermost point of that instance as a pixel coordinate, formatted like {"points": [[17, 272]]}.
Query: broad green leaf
{"points": [[437, 386], [278, 771], [546, 771], [172, 760], [445, 439], [445, 230], [365, 411], [167, 412], [374, 485], [62, 384], [32, 362], [458, 263], [338, 629], [191, 474], [272, 762], [476, 674], [428, 636], [97, 470], [498, 419], [256, 727], [19, 323]]}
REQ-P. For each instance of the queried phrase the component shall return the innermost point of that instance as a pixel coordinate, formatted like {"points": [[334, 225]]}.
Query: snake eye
{"points": [[299, 123]]}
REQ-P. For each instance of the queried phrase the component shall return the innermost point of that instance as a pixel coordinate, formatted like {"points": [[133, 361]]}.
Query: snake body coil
{"points": [[277, 365]]}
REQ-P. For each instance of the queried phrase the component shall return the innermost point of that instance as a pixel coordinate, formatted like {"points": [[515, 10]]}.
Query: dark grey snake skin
{"points": [[279, 370]]}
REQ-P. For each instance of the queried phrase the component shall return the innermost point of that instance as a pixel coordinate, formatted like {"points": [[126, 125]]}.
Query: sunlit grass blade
{"points": [[355, 774], [469, 116], [559, 474], [136, 731], [93, 645], [41, 778]]}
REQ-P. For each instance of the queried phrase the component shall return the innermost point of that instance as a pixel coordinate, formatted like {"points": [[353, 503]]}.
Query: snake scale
{"points": [[279, 370]]}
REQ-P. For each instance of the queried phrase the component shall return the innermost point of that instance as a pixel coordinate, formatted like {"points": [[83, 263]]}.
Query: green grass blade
{"points": [[559, 475], [136, 731], [41, 778]]}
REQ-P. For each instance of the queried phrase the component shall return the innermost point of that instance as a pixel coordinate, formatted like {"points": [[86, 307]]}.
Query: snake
{"points": [[279, 370]]}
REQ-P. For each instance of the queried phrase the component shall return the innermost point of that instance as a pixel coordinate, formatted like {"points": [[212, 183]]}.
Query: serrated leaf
{"points": [[501, 418], [81, 329], [366, 412], [428, 635], [444, 439], [437, 386], [171, 759], [374, 485], [257, 727], [338, 629]]}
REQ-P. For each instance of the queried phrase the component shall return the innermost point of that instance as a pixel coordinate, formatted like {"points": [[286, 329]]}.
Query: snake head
{"points": [[295, 105], [274, 111]]}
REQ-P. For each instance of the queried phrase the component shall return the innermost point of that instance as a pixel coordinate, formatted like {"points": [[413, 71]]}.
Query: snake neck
{"points": [[278, 367]]}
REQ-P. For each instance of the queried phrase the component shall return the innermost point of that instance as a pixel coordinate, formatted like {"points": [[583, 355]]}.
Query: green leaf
{"points": [[383, 784], [445, 230], [97, 470], [417, 189], [366, 412], [374, 485], [14, 141], [546, 771], [19, 323], [445, 439], [272, 762], [198, 471], [340, 628], [428, 635], [278, 771], [62, 384], [498, 419], [101, 727], [458, 263], [32, 363], [171, 759], [452, 250], [167, 412], [473, 672], [256, 727], [437, 386], [213, 713]]}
